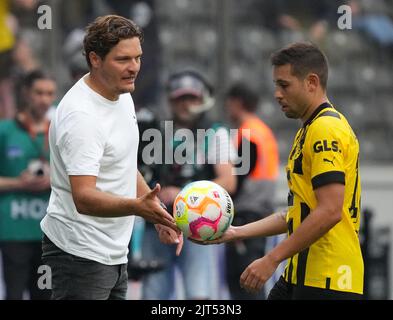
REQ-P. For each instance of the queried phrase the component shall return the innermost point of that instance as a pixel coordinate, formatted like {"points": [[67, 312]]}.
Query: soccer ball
{"points": [[203, 210]]}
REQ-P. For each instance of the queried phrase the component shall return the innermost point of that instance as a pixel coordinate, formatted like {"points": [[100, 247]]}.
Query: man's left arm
{"points": [[325, 216]]}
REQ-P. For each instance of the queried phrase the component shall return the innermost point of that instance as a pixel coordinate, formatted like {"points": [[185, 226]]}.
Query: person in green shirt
{"points": [[25, 186]]}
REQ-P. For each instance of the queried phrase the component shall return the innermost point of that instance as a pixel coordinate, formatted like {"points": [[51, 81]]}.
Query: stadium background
{"points": [[231, 40]]}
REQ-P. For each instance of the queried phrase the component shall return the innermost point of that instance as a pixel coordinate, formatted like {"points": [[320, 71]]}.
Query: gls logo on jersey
{"points": [[325, 145]]}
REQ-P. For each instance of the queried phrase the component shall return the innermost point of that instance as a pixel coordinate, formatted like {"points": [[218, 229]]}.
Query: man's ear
{"points": [[95, 59], [312, 82]]}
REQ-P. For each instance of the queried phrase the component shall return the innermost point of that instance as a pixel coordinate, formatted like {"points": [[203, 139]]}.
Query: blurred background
{"points": [[231, 41]]}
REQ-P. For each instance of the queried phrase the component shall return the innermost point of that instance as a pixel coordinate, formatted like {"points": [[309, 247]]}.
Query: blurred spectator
{"points": [[302, 17], [255, 194], [25, 186], [190, 96], [375, 23], [14, 53], [7, 42], [25, 29], [73, 55]]}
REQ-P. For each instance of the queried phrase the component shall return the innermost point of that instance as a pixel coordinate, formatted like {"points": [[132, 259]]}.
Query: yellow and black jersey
{"points": [[326, 151]]}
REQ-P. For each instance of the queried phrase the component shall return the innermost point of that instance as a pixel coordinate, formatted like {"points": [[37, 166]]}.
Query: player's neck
{"points": [[97, 84], [313, 106]]}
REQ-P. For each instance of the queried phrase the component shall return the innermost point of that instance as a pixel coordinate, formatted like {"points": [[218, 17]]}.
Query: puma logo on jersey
{"points": [[327, 160]]}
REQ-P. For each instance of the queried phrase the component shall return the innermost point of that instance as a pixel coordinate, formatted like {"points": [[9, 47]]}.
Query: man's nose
{"points": [[134, 65], [277, 94]]}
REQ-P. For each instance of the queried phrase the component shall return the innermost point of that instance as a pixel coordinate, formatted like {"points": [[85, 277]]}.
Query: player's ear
{"points": [[95, 59], [312, 81]]}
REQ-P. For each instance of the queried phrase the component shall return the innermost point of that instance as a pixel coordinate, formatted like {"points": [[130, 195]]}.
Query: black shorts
{"points": [[283, 290]]}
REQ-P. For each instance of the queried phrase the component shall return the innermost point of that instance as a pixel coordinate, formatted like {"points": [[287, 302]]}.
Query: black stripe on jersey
{"points": [[290, 266], [327, 178], [298, 164], [290, 198], [353, 210], [330, 114], [324, 105], [327, 286], [302, 258]]}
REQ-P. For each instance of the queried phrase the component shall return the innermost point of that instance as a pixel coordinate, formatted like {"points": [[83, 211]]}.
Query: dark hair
{"points": [[106, 32], [246, 95], [304, 58], [28, 80]]}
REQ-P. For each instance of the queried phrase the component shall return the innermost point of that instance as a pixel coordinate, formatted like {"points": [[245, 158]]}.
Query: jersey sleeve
{"points": [[326, 155], [81, 144]]}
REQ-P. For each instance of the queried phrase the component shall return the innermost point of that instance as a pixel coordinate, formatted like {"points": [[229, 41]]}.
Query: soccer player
{"points": [[322, 249], [96, 186]]}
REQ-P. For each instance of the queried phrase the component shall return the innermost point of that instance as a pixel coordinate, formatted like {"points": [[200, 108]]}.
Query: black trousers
{"points": [[77, 278], [21, 260]]}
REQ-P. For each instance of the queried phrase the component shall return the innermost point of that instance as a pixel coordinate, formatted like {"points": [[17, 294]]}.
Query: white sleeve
{"points": [[81, 143], [221, 148]]}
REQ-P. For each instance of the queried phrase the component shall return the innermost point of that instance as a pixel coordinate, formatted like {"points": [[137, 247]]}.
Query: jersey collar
{"points": [[323, 106]]}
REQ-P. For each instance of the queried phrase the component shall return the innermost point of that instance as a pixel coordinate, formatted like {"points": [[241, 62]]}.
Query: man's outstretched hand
{"points": [[151, 210]]}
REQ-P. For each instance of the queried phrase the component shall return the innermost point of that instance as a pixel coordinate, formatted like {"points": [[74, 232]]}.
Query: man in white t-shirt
{"points": [[96, 187]]}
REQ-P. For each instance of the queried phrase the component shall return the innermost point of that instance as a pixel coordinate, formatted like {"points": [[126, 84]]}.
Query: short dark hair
{"points": [[106, 32], [28, 80], [245, 94], [304, 57]]}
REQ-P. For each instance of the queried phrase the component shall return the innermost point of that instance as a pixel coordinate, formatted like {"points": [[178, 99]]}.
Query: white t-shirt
{"points": [[90, 135]]}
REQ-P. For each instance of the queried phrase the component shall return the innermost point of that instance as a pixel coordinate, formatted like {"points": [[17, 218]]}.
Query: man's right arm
{"points": [[90, 201]]}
